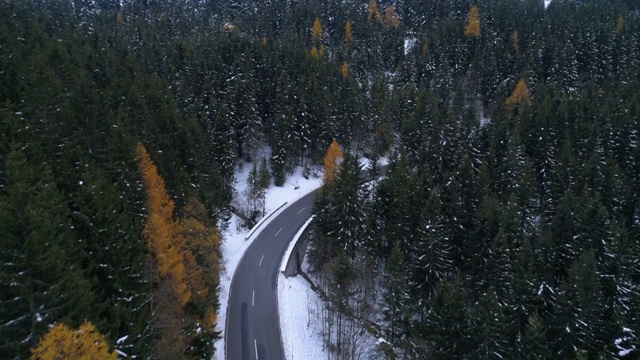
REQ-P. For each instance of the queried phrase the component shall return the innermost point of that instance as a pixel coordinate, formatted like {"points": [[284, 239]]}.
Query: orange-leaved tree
{"points": [[473, 23], [520, 97], [344, 69], [160, 230], [515, 40], [620, 24], [61, 342], [374, 12], [316, 31], [317, 50], [348, 33], [167, 248], [203, 260], [331, 162], [391, 19]]}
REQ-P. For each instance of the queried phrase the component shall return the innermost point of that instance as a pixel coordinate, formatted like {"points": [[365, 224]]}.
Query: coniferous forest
{"points": [[506, 225]]}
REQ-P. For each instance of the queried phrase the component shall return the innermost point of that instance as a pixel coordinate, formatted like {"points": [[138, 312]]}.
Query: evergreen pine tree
{"points": [[348, 204], [395, 295], [534, 344], [447, 323], [431, 259], [41, 279], [487, 322]]}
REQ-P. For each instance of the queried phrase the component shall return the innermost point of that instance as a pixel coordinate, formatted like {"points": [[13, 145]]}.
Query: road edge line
{"points": [[263, 220]]}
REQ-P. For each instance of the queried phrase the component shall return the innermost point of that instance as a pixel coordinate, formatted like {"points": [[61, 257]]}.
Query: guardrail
{"points": [[257, 226], [292, 258]]}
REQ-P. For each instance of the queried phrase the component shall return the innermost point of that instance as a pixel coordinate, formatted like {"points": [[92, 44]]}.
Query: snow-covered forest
{"points": [[507, 224]]}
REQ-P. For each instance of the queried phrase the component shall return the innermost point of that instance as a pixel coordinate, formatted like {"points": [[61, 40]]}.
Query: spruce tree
{"points": [[348, 205], [534, 345], [447, 323], [41, 275], [431, 259], [395, 284], [487, 321]]}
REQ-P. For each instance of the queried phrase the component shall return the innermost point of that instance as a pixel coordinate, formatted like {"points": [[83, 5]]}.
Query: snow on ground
{"points": [[300, 319], [546, 3], [234, 244]]}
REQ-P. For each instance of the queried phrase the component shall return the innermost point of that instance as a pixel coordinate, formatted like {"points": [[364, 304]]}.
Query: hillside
{"points": [[508, 223]]}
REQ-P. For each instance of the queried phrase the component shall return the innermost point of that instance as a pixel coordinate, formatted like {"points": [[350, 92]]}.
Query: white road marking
{"points": [[255, 343], [253, 299], [262, 258], [301, 210], [278, 232]]}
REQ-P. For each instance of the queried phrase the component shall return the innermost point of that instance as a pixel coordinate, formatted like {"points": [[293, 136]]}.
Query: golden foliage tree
{"points": [[61, 342], [318, 52], [425, 49], [316, 32], [620, 24], [520, 97], [391, 19], [203, 259], [119, 17], [515, 40], [187, 255], [348, 34], [331, 162], [473, 23], [344, 70], [160, 229], [374, 12]]}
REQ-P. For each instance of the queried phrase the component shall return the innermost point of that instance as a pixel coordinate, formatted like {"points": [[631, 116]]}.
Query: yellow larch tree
{"points": [[62, 342], [316, 31], [374, 12], [520, 97], [473, 23], [318, 52], [119, 17], [391, 19], [515, 40], [620, 24], [160, 230], [345, 70], [331, 162], [425, 49], [348, 34], [203, 258]]}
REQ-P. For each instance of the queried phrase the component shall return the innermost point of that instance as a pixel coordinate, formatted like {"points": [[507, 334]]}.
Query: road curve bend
{"points": [[252, 328]]}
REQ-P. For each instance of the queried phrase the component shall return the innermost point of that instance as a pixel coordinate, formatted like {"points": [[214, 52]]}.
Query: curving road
{"points": [[253, 331]]}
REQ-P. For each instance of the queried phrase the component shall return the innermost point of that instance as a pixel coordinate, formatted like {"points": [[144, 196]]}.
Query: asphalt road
{"points": [[253, 331]]}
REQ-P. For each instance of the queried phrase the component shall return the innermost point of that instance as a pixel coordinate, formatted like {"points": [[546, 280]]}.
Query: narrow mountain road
{"points": [[252, 329]]}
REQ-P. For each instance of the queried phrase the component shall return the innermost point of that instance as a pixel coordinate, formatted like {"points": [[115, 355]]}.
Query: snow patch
{"points": [[409, 43], [122, 339], [300, 317]]}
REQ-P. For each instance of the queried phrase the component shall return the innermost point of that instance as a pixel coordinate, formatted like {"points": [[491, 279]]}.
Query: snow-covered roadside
{"points": [[299, 313], [234, 244], [300, 319]]}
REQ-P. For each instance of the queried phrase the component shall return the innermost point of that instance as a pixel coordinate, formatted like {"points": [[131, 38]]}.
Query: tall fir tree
{"points": [[42, 279]]}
